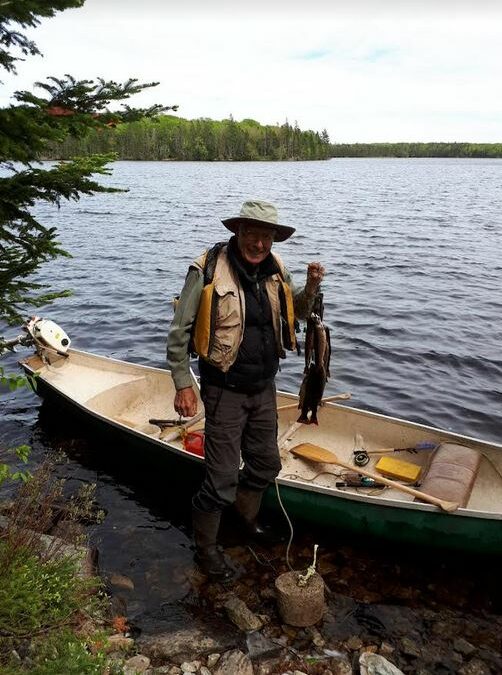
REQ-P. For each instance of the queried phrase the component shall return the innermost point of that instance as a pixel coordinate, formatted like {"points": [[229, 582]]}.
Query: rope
{"points": [[292, 532], [261, 560], [293, 476]]}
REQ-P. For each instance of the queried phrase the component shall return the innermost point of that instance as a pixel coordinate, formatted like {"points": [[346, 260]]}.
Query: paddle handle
{"points": [[335, 397], [382, 451], [442, 503], [286, 435], [422, 445], [174, 434]]}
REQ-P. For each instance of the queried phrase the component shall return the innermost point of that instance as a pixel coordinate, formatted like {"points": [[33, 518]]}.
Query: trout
{"points": [[317, 359]]}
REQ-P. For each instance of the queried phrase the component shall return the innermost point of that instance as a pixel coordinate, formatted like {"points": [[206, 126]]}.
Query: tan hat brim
{"points": [[283, 232]]}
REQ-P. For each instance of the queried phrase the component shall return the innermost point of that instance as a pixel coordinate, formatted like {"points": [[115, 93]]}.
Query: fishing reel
{"points": [[361, 457]]}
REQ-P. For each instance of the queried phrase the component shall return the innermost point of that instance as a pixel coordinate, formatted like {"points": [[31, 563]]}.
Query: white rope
{"points": [[303, 578], [292, 533]]}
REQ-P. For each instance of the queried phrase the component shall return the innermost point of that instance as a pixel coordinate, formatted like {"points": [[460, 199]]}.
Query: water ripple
{"points": [[411, 247]]}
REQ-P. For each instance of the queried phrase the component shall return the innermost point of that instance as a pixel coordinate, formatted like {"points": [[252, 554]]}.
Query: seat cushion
{"points": [[451, 473]]}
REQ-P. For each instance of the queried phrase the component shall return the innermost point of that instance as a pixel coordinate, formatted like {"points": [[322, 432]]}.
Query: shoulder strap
{"points": [[280, 264], [210, 262]]}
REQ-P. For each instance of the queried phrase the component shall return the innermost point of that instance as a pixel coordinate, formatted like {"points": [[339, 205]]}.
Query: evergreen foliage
{"points": [[169, 137], [416, 150], [24, 14], [67, 108]]}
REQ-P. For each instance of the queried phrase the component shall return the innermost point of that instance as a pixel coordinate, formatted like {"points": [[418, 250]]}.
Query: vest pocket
{"points": [[227, 314], [226, 327]]}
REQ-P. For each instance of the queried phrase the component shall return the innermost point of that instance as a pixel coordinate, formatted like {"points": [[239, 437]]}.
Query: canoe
{"points": [[120, 398]]}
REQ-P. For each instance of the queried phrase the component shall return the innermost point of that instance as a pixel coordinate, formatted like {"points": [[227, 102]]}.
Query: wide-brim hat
{"points": [[259, 213]]}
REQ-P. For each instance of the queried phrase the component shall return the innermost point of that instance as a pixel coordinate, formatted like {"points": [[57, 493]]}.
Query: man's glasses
{"points": [[252, 234]]}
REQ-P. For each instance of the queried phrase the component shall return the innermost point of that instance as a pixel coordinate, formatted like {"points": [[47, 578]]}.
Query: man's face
{"points": [[254, 243]]}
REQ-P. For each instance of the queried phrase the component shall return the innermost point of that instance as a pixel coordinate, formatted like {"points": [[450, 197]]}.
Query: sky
{"points": [[367, 71]]}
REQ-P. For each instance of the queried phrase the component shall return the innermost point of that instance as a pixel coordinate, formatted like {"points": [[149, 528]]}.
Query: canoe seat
{"points": [[451, 473]]}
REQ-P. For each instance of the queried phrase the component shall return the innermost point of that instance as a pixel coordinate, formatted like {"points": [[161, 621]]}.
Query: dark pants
{"points": [[237, 425]]}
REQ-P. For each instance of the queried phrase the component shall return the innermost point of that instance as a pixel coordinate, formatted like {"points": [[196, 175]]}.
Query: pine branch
{"points": [[28, 129], [26, 14]]}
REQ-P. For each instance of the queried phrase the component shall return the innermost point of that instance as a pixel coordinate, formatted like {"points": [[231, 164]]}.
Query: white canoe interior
{"points": [[130, 395]]}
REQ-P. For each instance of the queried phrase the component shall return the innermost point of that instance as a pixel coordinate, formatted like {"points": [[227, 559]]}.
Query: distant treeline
{"points": [[416, 150], [174, 138]]}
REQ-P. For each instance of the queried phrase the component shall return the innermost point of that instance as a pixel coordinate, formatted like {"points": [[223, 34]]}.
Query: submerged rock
{"points": [[463, 646], [376, 664], [240, 614], [121, 581], [475, 667], [136, 664], [234, 662], [212, 660], [181, 645]]}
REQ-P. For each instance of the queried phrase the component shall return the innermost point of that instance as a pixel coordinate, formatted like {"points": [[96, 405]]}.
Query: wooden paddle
{"points": [[187, 425], [317, 454], [335, 397]]}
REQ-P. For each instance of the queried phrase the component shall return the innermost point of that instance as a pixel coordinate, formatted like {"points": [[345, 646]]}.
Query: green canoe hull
{"points": [[423, 529]]}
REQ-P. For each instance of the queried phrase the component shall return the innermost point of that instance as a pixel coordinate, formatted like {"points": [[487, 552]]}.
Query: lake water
{"points": [[413, 253]]}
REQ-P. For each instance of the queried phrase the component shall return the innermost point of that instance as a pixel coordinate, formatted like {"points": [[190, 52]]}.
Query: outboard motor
{"points": [[48, 334]]}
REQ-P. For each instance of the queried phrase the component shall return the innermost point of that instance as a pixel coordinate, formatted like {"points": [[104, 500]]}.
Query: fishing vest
{"points": [[219, 324]]}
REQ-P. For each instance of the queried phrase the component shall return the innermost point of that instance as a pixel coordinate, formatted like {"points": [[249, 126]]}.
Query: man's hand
{"points": [[315, 274], [185, 402]]}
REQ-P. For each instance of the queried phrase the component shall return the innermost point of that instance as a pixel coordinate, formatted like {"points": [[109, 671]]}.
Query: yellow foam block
{"points": [[398, 469]]}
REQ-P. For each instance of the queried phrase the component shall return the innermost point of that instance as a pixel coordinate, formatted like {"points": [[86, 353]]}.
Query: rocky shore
{"points": [[381, 618], [387, 611]]}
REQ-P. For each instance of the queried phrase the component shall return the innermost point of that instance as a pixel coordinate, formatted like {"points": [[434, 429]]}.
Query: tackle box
{"points": [[398, 469]]}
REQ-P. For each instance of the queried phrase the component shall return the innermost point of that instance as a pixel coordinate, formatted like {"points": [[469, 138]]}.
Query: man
{"points": [[239, 317]]}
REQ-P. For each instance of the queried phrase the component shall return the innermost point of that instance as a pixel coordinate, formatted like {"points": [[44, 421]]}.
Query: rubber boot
{"points": [[208, 555], [247, 505]]}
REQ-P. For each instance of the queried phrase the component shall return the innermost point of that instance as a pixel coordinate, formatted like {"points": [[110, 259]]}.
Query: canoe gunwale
{"points": [[448, 435]]}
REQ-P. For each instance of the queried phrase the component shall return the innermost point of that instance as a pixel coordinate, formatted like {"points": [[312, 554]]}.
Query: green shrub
{"points": [[22, 452], [62, 653], [36, 595]]}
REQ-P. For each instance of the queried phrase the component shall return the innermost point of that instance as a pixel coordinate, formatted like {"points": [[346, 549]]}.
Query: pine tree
{"points": [[32, 123]]}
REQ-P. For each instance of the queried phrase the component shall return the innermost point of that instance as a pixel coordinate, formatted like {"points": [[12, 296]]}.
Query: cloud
{"points": [[420, 74], [314, 54], [380, 53]]}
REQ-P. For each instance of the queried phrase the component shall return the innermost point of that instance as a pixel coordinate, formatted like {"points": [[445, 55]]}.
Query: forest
{"points": [[416, 150], [169, 137]]}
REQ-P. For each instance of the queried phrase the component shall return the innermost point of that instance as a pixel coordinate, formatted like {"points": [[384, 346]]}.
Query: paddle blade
{"points": [[314, 453]]}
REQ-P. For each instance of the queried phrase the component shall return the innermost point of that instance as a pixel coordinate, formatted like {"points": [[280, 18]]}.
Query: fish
{"points": [[317, 362]]}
